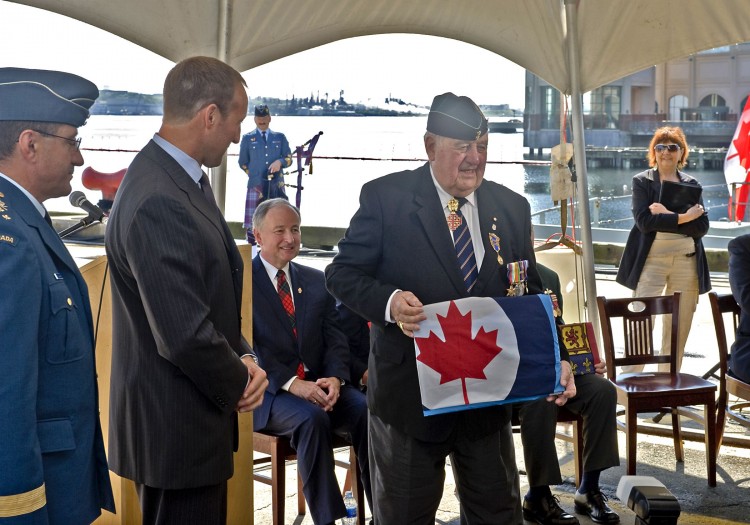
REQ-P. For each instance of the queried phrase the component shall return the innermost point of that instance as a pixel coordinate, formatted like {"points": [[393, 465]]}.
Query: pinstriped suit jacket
{"points": [[176, 280]]}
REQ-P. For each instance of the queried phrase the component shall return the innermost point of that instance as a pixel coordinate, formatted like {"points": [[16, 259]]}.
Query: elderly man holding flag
{"points": [[431, 235]]}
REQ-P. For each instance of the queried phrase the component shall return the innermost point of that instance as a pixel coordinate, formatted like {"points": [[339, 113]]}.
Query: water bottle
{"points": [[351, 509]]}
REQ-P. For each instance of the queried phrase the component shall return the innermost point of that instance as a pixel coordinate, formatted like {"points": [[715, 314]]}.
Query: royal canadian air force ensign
{"points": [[482, 351]]}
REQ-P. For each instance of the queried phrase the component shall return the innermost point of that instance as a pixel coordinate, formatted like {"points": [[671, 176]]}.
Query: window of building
{"points": [[713, 100], [601, 108], [676, 103], [550, 107]]}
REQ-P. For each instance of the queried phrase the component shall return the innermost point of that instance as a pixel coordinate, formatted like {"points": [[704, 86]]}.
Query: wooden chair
{"points": [[654, 391], [728, 385], [280, 450]]}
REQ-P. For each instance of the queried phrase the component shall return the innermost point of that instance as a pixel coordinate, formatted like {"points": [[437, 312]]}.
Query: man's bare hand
{"points": [[567, 381], [332, 387], [275, 166], [252, 397], [407, 312], [313, 392]]}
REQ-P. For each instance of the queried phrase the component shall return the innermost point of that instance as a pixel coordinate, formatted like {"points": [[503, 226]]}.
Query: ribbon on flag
{"points": [[736, 166], [481, 351]]}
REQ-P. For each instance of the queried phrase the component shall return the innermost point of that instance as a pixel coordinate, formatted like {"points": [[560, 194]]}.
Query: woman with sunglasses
{"points": [[664, 252]]}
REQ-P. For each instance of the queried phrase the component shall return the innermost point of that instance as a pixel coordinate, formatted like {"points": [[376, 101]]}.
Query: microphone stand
{"points": [[83, 223]]}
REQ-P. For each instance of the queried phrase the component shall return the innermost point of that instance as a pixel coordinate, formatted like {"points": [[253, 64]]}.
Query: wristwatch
{"points": [[341, 381]]}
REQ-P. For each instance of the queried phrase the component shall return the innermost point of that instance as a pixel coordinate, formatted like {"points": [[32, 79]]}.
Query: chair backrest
{"points": [[720, 305], [637, 314]]}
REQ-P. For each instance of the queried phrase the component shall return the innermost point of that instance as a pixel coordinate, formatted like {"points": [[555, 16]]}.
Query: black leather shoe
{"points": [[594, 504], [547, 511]]}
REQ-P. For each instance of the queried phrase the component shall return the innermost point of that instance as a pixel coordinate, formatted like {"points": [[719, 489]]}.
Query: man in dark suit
{"points": [[739, 280], [399, 252], [357, 331], [52, 464], [305, 353], [180, 368], [596, 402]]}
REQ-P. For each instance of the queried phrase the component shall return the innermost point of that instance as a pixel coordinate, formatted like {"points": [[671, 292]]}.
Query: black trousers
{"points": [[197, 506]]}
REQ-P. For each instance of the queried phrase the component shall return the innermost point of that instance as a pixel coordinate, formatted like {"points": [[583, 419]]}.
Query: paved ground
{"points": [[728, 503]]}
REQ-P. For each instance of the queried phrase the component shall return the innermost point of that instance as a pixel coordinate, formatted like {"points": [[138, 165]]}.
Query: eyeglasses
{"points": [[669, 147], [76, 141]]}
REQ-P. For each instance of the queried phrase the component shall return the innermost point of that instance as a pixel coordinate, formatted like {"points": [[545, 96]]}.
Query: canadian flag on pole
{"points": [[737, 164], [480, 351]]}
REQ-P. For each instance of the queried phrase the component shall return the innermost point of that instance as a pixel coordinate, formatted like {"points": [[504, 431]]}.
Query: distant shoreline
{"points": [[126, 103]]}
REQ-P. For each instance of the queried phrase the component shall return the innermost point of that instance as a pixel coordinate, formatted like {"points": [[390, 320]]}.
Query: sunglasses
{"points": [[668, 147]]}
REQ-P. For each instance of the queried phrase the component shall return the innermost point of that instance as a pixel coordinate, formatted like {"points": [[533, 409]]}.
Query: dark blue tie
{"points": [[467, 262], [263, 134]]}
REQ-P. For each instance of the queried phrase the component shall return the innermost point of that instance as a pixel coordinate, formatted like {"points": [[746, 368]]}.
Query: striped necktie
{"points": [[285, 294], [467, 261]]}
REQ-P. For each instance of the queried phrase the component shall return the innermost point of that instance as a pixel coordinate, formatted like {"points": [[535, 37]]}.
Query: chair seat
{"points": [[650, 383], [279, 449], [737, 387]]}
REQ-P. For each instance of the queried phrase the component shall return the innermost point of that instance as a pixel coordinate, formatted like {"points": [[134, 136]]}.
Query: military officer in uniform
{"points": [[263, 156], [52, 464]]}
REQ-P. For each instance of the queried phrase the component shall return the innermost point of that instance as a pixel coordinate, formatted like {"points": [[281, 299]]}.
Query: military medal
{"points": [[454, 220], [495, 242], [517, 278], [555, 303]]}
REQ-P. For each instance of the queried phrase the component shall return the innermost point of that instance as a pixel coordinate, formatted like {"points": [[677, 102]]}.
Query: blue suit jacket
{"points": [[256, 156], [51, 435], [320, 343]]}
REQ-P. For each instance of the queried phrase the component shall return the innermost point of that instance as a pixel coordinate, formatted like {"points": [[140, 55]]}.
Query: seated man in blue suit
{"points": [[306, 356]]}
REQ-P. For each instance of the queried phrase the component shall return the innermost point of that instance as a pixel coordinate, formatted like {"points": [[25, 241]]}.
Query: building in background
{"points": [[703, 93]]}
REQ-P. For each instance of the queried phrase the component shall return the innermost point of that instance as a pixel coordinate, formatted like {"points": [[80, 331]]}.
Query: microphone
{"points": [[79, 200]]}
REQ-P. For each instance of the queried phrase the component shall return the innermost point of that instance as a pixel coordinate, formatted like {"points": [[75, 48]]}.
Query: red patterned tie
{"points": [[285, 294]]}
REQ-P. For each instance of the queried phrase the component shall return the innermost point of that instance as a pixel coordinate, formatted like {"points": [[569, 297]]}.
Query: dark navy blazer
{"points": [[320, 343], [398, 239], [739, 280]]}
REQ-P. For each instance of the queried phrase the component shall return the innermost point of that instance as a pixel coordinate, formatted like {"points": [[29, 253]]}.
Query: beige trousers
{"points": [[664, 275]]}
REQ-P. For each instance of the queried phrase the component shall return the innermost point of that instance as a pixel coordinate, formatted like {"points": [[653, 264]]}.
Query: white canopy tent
{"points": [[575, 45]]}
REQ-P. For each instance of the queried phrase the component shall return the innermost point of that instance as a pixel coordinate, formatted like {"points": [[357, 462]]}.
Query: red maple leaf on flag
{"points": [[460, 356], [742, 150]]}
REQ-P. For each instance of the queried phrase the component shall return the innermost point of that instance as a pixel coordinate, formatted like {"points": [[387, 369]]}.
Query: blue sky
{"points": [[418, 67]]}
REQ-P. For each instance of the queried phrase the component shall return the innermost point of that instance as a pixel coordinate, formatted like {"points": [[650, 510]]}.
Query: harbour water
{"points": [[355, 150]]}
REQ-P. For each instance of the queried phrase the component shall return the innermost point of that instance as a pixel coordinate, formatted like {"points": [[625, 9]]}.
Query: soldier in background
{"points": [[263, 156]]}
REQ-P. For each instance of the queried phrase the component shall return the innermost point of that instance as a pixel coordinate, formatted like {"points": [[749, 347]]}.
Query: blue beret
{"points": [[261, 110], [45, 96], [456, 117]]}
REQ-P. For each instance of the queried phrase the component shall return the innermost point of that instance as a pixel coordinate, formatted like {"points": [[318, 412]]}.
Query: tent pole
{"points": [[579, 149], [219, 173]]}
